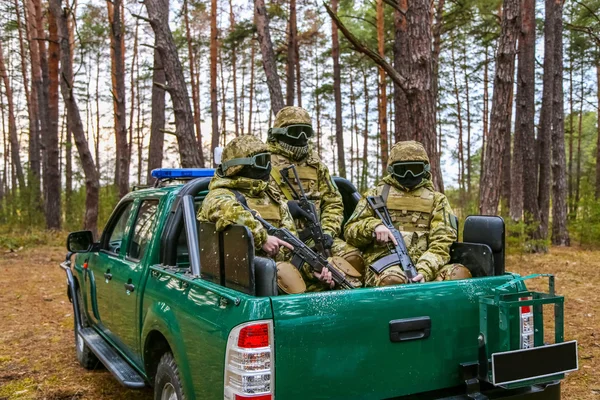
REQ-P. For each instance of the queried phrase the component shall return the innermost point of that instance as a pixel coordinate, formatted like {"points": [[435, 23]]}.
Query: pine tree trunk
{"points": [[251, 97], [365, 156], [560, 233], [525, 120], [337, 94], [545, 129], [291, 55], [489, 194], [51, 145], [400, 48], [132, 88], [36, 83], [194, 83], [468, 110], [486, 112], [579, 134], [176, 84], [268, 55], [236, 122], [66, 82], [383, 132], [437, 43], [12, 124], [117, 45], [298, 82], [214, 107], [570, 198], [525, 114], [157, 126], [461, 159]]}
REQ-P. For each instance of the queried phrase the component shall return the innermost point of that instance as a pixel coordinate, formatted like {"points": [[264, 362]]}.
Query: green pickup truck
{"points": [[164, 301]]}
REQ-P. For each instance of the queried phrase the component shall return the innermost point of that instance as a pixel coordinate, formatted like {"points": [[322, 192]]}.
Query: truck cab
{"points": [[164, 301]]}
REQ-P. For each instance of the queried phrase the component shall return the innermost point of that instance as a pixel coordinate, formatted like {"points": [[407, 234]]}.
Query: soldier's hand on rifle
{"points": [[384, 235], [272, 245], [325, 276], [419, 278]]}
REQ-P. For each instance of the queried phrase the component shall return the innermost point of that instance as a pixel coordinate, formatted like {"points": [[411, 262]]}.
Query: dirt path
{"points": [[37, 359]]}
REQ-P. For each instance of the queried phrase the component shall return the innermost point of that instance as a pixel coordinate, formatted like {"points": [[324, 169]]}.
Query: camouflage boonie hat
{"points": [[292, 116], [409, 150], [242, 147]]}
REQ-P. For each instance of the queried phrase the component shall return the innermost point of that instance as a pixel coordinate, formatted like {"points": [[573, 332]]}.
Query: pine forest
{"points": [[503, 94]]}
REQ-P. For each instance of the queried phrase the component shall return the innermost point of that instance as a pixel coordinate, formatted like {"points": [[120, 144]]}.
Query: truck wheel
{"points": [[85, 356], [167, 383]]}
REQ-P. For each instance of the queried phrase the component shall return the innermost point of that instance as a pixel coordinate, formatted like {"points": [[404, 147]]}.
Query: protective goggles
{"points": [[293, 131], [259, 161], [414, 168]]}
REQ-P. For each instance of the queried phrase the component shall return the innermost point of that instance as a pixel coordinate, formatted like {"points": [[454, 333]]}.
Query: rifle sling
{"points": [[276, 175]]}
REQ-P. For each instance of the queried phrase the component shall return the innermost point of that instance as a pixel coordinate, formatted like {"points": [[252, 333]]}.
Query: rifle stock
{"points": [[378, 206]]}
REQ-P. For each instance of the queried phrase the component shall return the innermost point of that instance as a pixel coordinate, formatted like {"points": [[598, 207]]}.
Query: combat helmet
{"points": [[241, 151], [409, 150]]}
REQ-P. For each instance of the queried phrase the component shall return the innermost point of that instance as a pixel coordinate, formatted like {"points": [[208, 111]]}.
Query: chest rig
{"points": [[307, 173], [410, 211], [266, 208]]}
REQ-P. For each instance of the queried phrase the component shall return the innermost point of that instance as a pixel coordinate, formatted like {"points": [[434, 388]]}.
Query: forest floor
{"points": [[37, 357]]}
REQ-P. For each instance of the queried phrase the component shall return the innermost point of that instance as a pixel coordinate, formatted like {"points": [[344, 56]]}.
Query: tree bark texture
{"points": [[51, 147], [525, 196], [236, 115], [268, 55], [176, 84], [560, 232], [12, 124], [525, 114], [291, 55], [194, 83], [489, 194], [214, 106], [92, 185], [117, 46], [383, 131], [337, 94], [157, 126], [545, 129]]}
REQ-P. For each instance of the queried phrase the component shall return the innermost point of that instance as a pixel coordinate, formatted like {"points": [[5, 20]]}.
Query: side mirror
{"points": [[80, 242]]}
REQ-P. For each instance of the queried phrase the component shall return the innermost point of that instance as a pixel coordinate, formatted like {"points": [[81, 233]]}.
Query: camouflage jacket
{"points": [[317, 183], [222, 208], [422, 215]]}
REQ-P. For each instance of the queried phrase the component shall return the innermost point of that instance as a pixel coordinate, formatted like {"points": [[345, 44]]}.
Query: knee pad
{"points": [[391, 278], [355, 259], [452, 272], [289, 279], [346, 269]]}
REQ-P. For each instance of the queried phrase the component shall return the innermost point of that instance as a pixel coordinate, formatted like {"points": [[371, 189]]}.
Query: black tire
{"points": [[85, 356], [167, 384]]}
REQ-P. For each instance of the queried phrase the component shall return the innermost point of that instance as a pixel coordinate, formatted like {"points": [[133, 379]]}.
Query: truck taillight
{"points": [[526, 321], [249, 368]]}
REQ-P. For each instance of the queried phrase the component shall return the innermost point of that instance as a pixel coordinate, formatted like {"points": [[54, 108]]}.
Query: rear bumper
{"points": [[549, 391]]}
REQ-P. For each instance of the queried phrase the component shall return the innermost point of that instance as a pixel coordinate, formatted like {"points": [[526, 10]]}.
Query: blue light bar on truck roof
{"points": [[182, 173]]}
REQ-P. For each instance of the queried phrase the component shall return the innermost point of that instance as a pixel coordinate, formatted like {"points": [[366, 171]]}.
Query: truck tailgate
{"points": [[337, 345]]}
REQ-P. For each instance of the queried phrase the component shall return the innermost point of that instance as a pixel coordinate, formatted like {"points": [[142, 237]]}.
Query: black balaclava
{"points": [[409, 181], [255, 173]]}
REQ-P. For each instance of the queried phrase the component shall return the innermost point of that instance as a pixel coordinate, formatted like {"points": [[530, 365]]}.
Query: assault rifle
{"points": [[399, 251], [302, 253], [308, 211]]}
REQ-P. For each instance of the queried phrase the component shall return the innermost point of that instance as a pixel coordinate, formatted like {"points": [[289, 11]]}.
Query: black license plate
{"points": [[538, 362]]}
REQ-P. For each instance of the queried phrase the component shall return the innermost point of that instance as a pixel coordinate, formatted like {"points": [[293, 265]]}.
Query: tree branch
{"points": [[592, 13], [361, 48], [585, 29], [396, 6], [141, 17]]}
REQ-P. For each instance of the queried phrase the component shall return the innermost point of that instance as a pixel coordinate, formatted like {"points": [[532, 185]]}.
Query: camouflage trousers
{"points": [[394, 275]]}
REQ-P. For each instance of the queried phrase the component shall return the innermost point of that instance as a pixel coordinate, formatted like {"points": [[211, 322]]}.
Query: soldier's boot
{"points": [[452, 272], [289, 279]]}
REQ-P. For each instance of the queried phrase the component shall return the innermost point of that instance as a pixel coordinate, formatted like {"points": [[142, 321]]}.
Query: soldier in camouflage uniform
{"points": [[422, 215], [288, 144], [245, 169]]}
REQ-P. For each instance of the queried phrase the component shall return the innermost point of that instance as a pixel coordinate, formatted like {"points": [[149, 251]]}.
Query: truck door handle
{"points": [[129, 287], [403, 330], [108, 276]]}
